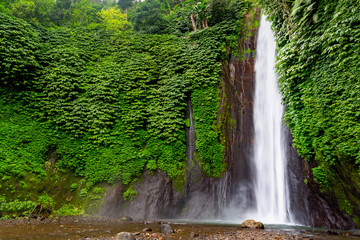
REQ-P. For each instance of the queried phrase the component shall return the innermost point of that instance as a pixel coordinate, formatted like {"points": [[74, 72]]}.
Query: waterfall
{"points": [[194, 169], [191, 137], [270, 186]]}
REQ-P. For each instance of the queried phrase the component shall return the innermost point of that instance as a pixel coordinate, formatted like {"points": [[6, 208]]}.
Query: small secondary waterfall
{"points": [[191, 137], [271, 190]]}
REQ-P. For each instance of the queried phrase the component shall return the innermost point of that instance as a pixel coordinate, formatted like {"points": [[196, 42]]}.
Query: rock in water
{"points": [[166, 228], [252, 224], [124, 236]]}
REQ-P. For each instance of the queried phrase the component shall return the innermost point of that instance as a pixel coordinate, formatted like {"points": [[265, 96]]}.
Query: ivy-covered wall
{"points": [[105, 105]]}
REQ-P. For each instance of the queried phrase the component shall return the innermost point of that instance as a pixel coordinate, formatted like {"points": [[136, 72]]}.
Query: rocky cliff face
{"points": [[310, 206]]}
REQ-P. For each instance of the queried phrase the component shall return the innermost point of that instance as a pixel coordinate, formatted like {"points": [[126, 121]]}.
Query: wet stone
{"points": [[166, 228], [124, 236], [252, 224]]}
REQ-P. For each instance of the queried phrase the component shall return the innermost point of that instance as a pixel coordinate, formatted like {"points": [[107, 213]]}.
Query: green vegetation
{"points": [[16, 206], [69, 210], [319, 68], [94, 92], [84, 93]]}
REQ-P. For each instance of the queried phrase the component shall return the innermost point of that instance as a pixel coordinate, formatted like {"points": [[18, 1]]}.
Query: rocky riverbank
{"points": [[239, 234], [65, 228]]}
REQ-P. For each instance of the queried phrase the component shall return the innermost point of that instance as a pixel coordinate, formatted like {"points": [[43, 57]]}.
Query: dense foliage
{"points": [[319, 68], [18, 57], [105, 102], [149, 16]]}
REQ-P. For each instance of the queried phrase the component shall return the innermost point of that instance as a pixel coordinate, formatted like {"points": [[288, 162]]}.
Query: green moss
{"points": [[94, 200], [187, 122], [321, 178], [179, 182], [130, 194], [73, 186], [356, 219]]}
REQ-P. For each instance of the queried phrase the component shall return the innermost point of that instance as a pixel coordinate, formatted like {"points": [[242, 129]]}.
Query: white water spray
{"points": [[271, 190]]}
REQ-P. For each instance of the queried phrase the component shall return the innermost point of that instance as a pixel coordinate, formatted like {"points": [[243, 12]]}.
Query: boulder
{"points": [[252, 224], [166, 228], [124, 236]]}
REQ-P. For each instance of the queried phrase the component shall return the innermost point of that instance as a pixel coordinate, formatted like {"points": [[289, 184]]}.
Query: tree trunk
{"points": [[193, 22], [206, 23]]}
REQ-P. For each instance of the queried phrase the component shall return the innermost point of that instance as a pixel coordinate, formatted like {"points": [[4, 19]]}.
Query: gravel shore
{"points": [[82, 228]]}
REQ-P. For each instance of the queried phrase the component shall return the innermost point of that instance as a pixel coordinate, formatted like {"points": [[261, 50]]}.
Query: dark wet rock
{"points": [[331, 232], [313, 207], [147, 230], [166, 228], [252, 224], [127, 219], [194, 235], [124, 236], [156, 199]]}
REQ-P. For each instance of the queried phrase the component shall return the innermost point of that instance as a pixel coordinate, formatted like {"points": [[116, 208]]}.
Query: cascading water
{"points": [[191, 137], [270, 187]]}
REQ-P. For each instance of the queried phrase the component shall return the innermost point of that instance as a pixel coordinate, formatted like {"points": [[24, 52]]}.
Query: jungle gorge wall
{"points": [[204, 197], [208, 198], [108, 104], [89, 111]]}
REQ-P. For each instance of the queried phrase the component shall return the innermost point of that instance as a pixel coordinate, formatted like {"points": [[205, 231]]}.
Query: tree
{"points": [[4, 6], [226, 10], [125, 4], [44, 10], [61, 13], [197, 11], [85, 12], [113, 19], [147, 17], [24, 9], [107, 3]]}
